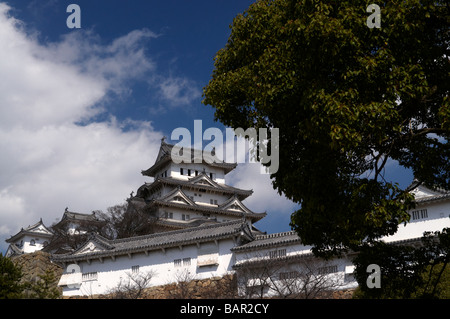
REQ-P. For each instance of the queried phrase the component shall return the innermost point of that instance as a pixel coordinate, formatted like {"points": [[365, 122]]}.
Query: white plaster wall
{"points": [[174, 171], [206, 197], [291, 250], [28, 248], [438, 218], [344, 280], [159, 263]]}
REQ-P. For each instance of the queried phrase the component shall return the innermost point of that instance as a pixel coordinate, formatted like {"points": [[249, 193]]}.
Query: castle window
{"points": [[32, 242], [135, 269], [168, 215], [89, 276], [327, 270], [289, 275], [419, 214], [177, 263], [277, 253], [185, 217], [186, 261], [181, 171]]}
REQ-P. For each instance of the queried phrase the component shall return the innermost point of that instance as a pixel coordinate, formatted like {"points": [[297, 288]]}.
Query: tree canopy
{"points": [[10, 276], [407, 271], [347, 99]]}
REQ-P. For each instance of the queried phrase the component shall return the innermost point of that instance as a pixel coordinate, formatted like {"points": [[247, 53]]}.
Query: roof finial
{"points": [[163, 140], [66, 210]]}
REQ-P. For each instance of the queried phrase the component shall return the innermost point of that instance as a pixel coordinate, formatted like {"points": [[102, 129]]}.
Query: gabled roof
{"points": [[94, 243], [234, 204], [270, 240], [107, 248], [37, 230], [225, 209], [177, 196], [425, 194], [78, 218], [165, 156], [13, 250], [202, 181]]}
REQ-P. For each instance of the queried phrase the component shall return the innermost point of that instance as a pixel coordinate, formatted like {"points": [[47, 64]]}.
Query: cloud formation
{"points": [[56, 153], [48, 161]]}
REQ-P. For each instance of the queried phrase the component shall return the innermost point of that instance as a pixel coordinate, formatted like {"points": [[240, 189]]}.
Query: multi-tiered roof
{"points": [[186, 195]]}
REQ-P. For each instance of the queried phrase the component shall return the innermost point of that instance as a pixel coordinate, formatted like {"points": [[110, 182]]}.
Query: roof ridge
{"points": [[222, 186], [275, 235], [178, 231]]}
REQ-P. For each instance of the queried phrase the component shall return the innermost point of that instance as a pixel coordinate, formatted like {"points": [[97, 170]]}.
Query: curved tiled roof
{"points": [[433, 198], [270, 240], [157, 241], [38, 229], [208, 209], [165, 156], [219, 188]]}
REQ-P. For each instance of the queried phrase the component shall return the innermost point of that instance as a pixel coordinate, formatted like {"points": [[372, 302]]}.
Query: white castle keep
{"points": [[204, 230]]}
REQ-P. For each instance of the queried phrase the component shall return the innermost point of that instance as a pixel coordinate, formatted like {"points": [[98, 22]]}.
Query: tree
{"points": [[43, 287], [66, 238], [10, 275], [304, 278], [127, 220], [348, 99], [133, 287], [407, 271]]}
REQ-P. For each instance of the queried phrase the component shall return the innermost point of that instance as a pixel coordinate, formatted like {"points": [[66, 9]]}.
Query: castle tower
{"points": [[190, 194]]}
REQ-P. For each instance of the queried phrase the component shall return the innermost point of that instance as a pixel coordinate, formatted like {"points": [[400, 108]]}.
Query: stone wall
{"points": [[211, 288], [36, 264]]}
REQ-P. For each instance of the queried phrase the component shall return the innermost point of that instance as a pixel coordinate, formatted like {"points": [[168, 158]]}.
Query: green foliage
{"points": [[13, 286], [347, 100], [407, 271], [10, 275], [44, 287]]}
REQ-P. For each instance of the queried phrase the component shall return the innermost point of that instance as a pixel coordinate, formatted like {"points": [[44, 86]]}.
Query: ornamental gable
{"points": [[234, 204], [179, 197]]}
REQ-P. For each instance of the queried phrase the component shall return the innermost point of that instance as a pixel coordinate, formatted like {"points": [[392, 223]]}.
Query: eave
{"points": [[159, 241], [201, 208]]}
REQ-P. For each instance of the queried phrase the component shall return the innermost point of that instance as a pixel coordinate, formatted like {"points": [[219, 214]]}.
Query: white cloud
{"points": [[179, 91], [114, 63], [48, 162], [248, 176], [264, 197]]}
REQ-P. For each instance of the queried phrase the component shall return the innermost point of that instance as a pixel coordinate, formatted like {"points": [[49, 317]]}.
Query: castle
{"points": [[203, 230]]}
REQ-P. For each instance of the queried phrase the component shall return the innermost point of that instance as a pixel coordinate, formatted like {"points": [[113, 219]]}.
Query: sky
{"points": [[83, 110]]}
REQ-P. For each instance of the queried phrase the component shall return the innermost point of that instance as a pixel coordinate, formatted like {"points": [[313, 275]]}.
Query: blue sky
{"points": [[187, 36], [82, 111]]}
